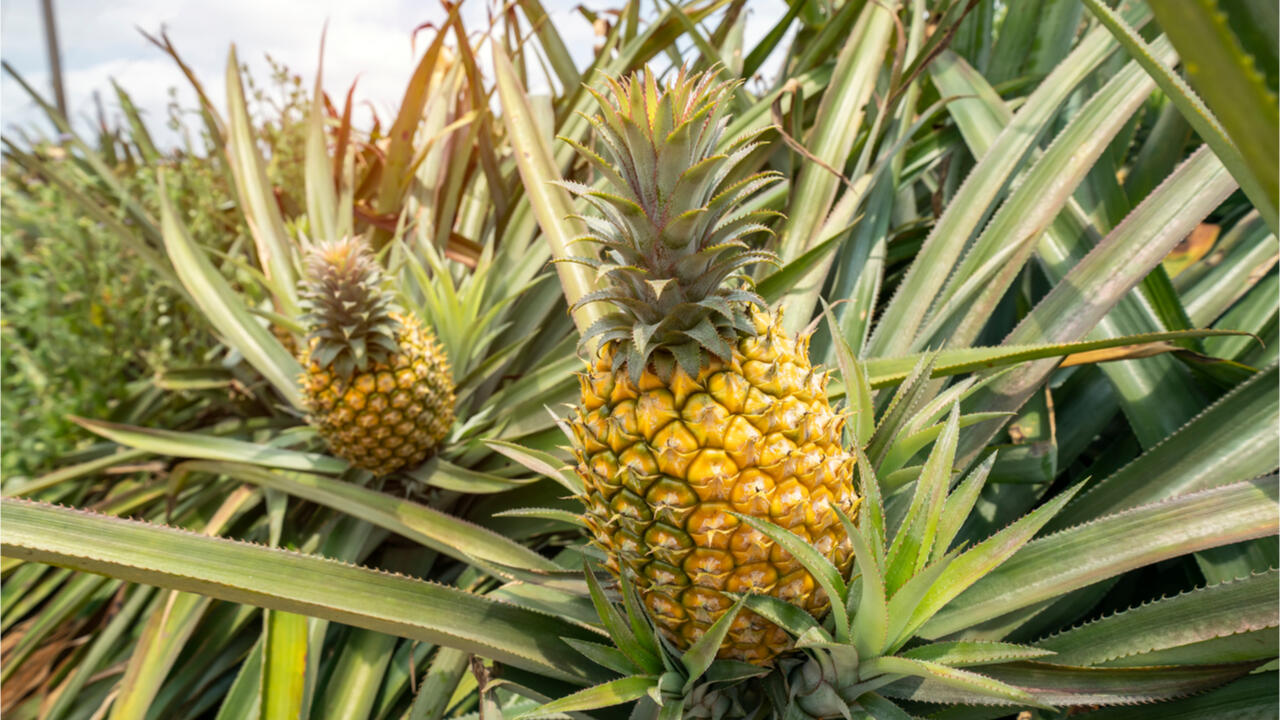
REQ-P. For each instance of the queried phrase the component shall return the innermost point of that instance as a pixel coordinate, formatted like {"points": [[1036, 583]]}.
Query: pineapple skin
{"points": [[390, 416], [665, 463]]}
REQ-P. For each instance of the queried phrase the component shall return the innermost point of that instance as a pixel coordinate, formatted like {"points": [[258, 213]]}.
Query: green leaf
{"points": [[194, 445], [979, 561], [550, 201], [614, 692], [881, 708], [909, 306], [869, 631], [702, 653], [913, 544], [826, 574], [956, 361], [103, 644], [1092, 288], [554, 514], [357, 675], [854, 376], [959, 505], [1189, 621], [440, 473], [781, 613], [609, 657], [1195, 112], [1041, 194], [830, 140], [284, 669], [1229, 79], [1067, 240], [225, 309], [174, 618], [440, 531], [964, 680], [242, 699], [322, 200], [279, 580], [1230, 441], [1252, 696], [974, 652], [1072, 686], [543, 463], [618, 628], [1085, 554], [257, 200]]}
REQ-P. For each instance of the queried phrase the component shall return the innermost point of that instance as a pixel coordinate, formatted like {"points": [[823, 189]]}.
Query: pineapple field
{"points": [[894, 359]]}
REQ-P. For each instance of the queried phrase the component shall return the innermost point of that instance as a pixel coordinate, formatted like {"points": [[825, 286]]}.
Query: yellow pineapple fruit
{"points": [[698, 405], [376, 382]]}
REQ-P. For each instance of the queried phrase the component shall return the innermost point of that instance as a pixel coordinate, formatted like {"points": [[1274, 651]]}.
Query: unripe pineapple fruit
{"points": [[376, 383], [698, 406]]}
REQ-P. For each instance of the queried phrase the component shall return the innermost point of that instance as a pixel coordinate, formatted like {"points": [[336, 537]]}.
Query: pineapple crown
{"points": [[348, 314], [672, 225]]}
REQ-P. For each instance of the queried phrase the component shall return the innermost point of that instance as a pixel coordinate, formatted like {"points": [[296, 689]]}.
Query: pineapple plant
{"points": [[995, 574], [698, 405], [377, 385]]}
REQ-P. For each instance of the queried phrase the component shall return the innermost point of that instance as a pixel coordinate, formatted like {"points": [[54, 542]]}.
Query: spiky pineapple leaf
{"points": [[869, 627], [1067, 241], [224, 308], [911, 393], [913, 543], [243, 697], [881, 708], [702, 653], [829, 142], [1193, 109], [1046, 187], [1252, 697], [244, 573], [965, 653], [853, 375], [284, 669], [439, 531], [1232, 440], [543, 463], [550, 202], [958, 506], [967, 682], [614, 692], [1085, 554], [609, 657], [440, 473], [781, 613], [619, 629], [1227, 610], [1089, 291], [886, 371], [1071, 686], [907, 444], [908, 308], [871, 509], [826, 574], [257, 199], [322, 201], [173, 620], [555, 514], [977, 562]]}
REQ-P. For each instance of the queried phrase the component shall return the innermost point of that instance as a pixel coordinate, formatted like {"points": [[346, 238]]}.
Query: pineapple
{"points": [[376, 382], [698, 404]]}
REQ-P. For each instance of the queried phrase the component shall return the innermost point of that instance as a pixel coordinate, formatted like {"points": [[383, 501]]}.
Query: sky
{"points": [[371, 39]]}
